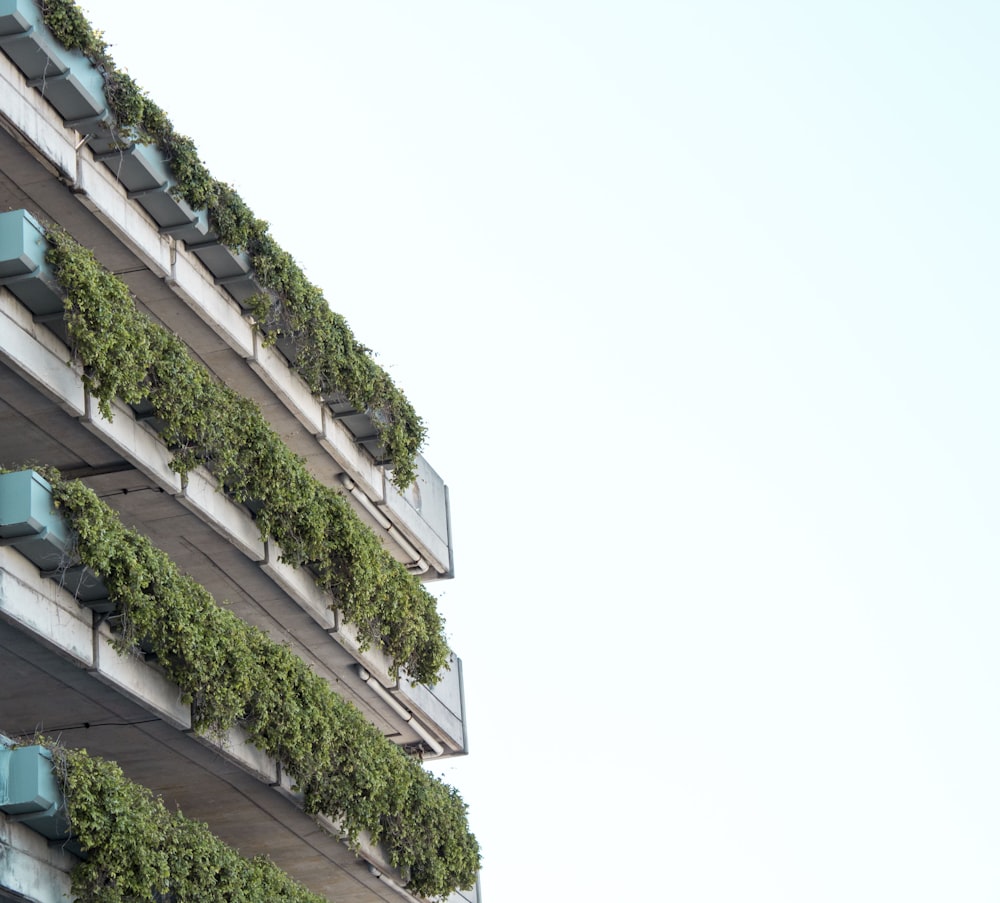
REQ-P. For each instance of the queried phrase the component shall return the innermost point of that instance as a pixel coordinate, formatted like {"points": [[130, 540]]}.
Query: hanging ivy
{"points": [[125, 355], [333, 363], [139, 851], [232, 673]]}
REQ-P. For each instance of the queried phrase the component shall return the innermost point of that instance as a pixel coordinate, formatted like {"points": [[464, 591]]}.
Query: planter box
{"points": [[26, 511], [361, 425], [231, 270], [147, 179], [144, 412], [30, 524], [143, 171], [29, 792], [66, 78], [23, 268]]}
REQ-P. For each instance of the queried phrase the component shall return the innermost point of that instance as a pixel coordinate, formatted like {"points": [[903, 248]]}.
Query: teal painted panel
{"points": [[30, 785], [82, 584], [22, 243], [23, 268], [29, 791], [30, 524], [172, 214], [75, 87], [16, 16], [66, 78], [26, 507]]}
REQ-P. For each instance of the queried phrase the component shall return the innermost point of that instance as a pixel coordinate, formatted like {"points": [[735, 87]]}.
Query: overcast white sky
{"points": [[699, 302]]}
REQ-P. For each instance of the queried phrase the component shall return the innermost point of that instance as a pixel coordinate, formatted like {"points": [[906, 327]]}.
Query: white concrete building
{"points": [[64, 162]]}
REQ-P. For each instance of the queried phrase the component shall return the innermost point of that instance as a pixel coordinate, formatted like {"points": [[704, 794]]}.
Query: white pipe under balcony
{"points": [[403, 713]]}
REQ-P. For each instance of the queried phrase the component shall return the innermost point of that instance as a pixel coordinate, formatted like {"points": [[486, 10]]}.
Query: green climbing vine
{"points": [[333, 363], [233, 673], [127, 356], [137, 850]]}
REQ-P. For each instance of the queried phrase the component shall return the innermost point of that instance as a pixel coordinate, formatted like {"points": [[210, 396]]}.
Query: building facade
{"points": [[159, 350]]}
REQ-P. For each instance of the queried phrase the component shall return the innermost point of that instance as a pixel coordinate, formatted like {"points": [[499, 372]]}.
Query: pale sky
{"points": [[698, 301]]}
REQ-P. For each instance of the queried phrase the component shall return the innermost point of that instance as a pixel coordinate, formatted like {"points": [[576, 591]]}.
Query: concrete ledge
{"points": [[30, 867], [99, 191], [133, 441], [376, 662], [441, 705], [287, 385], [422, 513], [299, 584], [202, 496], [340, 445], [48, 135], [366, 849], [36, 363], [43, 608], [139, 681], [220, 313], [235, 746]]}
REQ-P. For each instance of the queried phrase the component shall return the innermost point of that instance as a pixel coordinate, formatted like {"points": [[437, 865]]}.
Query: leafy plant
{"points": [[70, 26], [232, 673], [125, 355], [333, 363], [139, 851]]}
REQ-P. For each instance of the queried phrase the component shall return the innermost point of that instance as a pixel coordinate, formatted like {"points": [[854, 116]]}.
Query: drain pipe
{"points": [[418, 565], [398, 888], [403, 713]]}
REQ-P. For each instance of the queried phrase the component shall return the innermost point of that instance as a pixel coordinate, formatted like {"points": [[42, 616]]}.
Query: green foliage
{"points": [[67, 22], [124, 354], [137, 850], [328, 356], [126, 98], [233, 673], [115, 357]]}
